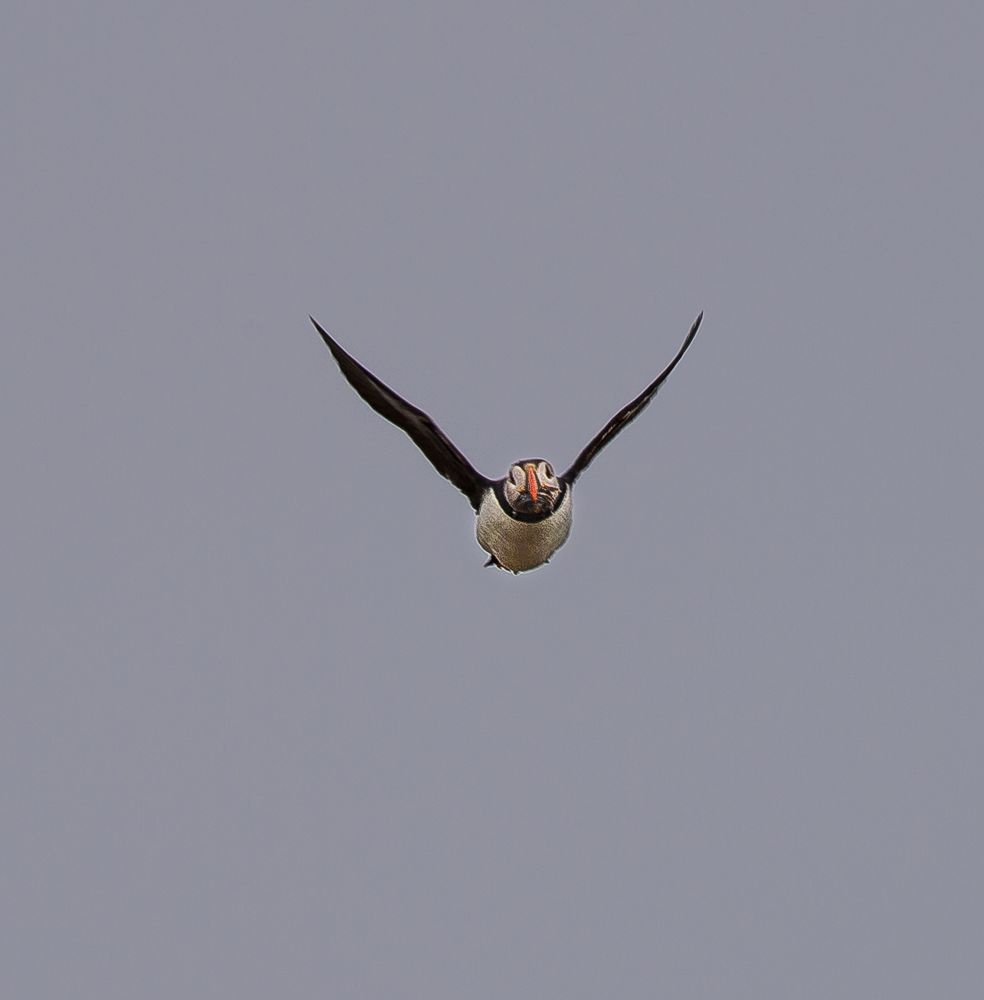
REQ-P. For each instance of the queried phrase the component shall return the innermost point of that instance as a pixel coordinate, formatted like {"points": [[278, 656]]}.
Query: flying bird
{"points": [[524, 517]]}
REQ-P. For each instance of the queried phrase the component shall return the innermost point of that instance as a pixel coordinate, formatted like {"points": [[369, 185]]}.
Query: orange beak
{"points": [[531, 484]]}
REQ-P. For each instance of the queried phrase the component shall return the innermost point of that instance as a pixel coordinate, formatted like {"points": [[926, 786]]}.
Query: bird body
{"points": [[524, 517], [517, 542]]}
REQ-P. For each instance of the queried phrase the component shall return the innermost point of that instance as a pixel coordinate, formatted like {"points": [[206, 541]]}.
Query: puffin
{"points": [[524, 517]]}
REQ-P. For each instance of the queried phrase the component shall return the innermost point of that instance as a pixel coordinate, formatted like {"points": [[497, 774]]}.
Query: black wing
{"points": [[426, 435], [627, 413]]}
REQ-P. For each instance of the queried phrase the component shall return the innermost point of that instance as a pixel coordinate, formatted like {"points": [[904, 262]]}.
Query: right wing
{"points": [[424, 433]]}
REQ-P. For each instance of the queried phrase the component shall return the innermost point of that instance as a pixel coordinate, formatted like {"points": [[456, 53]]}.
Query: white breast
{"points": [[521, 545]]}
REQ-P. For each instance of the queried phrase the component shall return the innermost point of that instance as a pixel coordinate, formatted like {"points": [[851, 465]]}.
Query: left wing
{"points": [[627, 414]]}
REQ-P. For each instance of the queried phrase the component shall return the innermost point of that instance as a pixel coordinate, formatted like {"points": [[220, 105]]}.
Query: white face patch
{"points": [[515, 487]]}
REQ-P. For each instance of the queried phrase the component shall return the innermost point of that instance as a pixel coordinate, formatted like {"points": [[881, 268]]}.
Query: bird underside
{"points": [[492, 561]]}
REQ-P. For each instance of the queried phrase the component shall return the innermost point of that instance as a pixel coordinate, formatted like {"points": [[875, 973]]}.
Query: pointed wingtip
{"points": [[322, 331], [691, 334]]}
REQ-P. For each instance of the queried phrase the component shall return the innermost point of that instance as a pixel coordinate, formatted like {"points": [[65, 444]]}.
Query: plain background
{"points": [[268, 728]]}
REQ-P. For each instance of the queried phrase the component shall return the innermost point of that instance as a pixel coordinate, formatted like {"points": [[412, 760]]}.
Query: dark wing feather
{"points": [[628, 413], [425, 434]]}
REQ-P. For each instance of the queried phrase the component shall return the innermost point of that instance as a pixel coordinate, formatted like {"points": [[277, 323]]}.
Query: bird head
{"points": [[531, 486]]}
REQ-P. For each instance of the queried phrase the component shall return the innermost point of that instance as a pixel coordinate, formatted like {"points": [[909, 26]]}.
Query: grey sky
{"points": [[268, 728]]}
